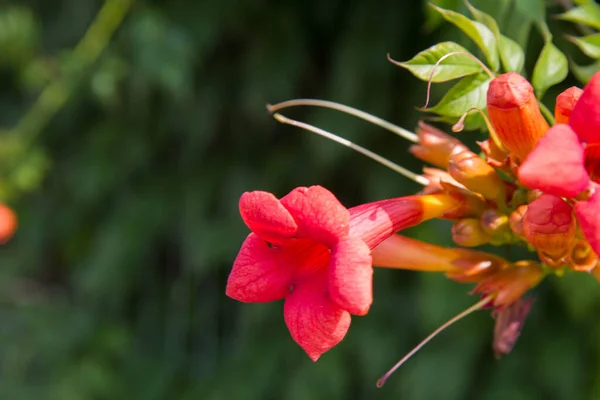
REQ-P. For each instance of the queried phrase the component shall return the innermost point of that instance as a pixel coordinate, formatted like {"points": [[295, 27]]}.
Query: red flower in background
{"points": [[8, 223], [308, 249]]}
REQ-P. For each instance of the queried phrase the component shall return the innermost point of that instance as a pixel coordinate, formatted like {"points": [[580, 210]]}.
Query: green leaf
{"points": [[511, 54], [550, 68], [478, 32], [535, 10], [434, 19], [455, 66], [469, 92], [584, 73], [588, 14], [589, 45]]}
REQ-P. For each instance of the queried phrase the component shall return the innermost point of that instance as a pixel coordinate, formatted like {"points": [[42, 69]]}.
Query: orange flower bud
{"points": [[582, 257], [549, 226], [463, 265], [437, 177], [514, 114], [596, 272], [435, 146], [8, 223], [495, 223], [494, 156], [473, 172], [468, 204], [511, 283], [565, 103], [469, 233], [515, 221]]}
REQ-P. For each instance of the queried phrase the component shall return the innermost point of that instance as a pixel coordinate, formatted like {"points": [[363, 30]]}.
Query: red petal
{"points": [[315, 322], [592, 161], [260, 273], [265, 216], [585, 118], [351, 276], [319, 215], [556, 164], [587, 214]]}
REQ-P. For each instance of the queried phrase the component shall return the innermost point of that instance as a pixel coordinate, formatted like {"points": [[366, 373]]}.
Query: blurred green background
{"points": [[126, 178]]}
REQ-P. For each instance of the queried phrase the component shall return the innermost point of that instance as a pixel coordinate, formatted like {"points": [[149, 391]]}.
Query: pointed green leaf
{"points": [[478, 32], [589, 45], [588, 14], [455, 66], [469, 92], [550, 68], [511, 54], [434, 19], [535, 10], [584, 73]]}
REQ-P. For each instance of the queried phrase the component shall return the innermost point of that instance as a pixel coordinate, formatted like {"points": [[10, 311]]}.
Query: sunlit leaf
{"points": [[588, 14], [551, 68], [478, 32], [511, 54], [589, 45], [468, 93], [454, 66]]}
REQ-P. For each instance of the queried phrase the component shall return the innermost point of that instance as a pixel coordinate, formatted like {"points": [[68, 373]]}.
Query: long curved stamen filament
{"points": [[454, 53], [475, 307], [403, 133], [374, 156]]}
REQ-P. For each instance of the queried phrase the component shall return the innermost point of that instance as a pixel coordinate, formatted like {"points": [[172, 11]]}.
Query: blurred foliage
{"points": [[113, 287]]}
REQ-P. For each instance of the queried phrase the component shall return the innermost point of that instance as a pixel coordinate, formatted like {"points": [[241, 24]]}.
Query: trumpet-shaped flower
{"points": [[309, 249]]}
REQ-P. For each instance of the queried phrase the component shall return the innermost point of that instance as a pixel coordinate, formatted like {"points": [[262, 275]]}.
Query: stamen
{"points": [[430, 81], [403, 133], [460, 125], [374, 156], [381, 381]]}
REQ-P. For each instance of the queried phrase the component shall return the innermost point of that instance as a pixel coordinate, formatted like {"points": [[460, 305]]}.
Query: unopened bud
{"points": [[565, 103], [437, 178], [494, 156], [494, 223], [511, 283], [435, 146], [468, 233], [549, 226], [509, 323], [582, 257], [515, 114], [515, 221], [473, 172]]}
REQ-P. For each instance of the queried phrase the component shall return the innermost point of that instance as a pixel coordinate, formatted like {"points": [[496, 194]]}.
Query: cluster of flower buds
{"points": [[533, 185]]}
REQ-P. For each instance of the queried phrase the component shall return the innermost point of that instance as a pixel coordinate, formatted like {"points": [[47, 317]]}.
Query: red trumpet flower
{"points": [[309, 249]]}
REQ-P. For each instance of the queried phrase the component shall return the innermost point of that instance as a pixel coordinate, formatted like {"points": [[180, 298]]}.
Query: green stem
{"points": [[55, 95], [547, 114]]}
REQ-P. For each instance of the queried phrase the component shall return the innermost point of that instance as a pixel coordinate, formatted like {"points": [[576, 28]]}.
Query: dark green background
{"points": [[113, 287]]}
